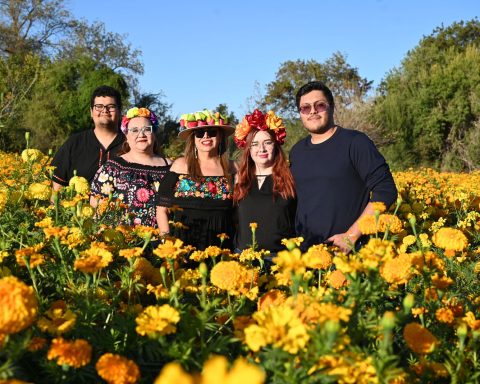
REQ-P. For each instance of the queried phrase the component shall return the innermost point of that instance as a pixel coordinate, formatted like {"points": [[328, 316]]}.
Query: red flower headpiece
{"points": [[262, 122]]}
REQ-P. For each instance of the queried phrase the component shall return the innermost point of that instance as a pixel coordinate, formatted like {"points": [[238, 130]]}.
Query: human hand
{"points": [[343, 241]]}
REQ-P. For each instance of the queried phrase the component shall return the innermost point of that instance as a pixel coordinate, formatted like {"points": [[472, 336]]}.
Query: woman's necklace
{"points": [[260, 180]]}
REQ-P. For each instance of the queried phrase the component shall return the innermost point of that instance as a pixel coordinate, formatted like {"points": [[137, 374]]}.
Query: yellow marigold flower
{"points": [[131, 252], [60, 233], [223, 236], [379, 206], [424, 240], [159, 291], [272, 297], [290, 261], [44, 223], [157, 320], [3, 255], [74, 238], [30, 155], [471, 321], [215, 371], [368, 225], [170, 249], [248, 254], [295, 241], [445, 315], [36, 344], [213, 251], [312, 312], [79, 185], [58, 319], [389, 222], [409, 240], [39, 191], [173, 373], [75, 353], [277, 325], [376, 251], [233, 277], [198, 256], [419, 339], [253, 226], [337, 279], [318, 257], [88, 211], [31, 254], [116, 369], [397, 270], [450, 239], [18, 305], [441, 282], [93, 259], [144, 270]]}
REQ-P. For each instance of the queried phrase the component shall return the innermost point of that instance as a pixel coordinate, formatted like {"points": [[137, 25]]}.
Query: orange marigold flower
{"points": [[441, 282], [75, 353], [397, 270], [31, 254], [272, 297], [18, 305], [116, 369], [93, 259], [234, 278], [419, 339], [171, 249], [318, 257], [389, 222], [36, 344], [157, 320], [368, 224], [131, 252], [58, 319], [337, 279], [445, 315], [450, 239], [471, 321]]}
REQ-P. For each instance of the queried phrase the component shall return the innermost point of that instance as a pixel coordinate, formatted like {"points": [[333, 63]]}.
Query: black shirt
{"points": [[84, 153], [335, 180], [275, 218]]}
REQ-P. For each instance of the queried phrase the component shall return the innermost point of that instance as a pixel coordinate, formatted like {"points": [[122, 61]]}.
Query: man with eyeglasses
{"points": [[338, 174], [84, 152]]}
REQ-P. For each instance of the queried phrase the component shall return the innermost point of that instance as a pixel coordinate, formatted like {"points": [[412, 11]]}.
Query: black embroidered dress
{"points": [[205, 208], [135, 184]]}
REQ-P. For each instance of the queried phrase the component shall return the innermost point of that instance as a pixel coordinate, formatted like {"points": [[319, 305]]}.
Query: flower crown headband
{"points": [[139, 112], [262, 122]]}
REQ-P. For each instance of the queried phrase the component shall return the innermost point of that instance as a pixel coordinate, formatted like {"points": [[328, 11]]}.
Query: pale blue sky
{"points": [[203, 53]]}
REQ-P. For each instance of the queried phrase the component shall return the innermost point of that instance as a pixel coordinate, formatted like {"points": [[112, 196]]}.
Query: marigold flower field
{"points": [[84, 300]]}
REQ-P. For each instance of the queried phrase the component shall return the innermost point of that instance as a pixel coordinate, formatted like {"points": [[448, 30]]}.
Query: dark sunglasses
{"points": [[211, 132], [319, 106]]}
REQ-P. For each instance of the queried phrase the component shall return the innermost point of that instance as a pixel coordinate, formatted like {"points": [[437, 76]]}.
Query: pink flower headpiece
{"points": [[262, 122], [139, 112]]}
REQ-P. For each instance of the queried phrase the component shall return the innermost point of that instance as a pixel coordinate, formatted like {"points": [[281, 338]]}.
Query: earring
{"points": [[196, 153]]}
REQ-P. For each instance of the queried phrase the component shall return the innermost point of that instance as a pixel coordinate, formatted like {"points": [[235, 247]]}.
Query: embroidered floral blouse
{"points": [[135, 184], [205, 208]]}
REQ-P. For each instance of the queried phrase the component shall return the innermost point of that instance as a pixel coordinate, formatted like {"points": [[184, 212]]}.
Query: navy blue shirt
{"points": [[335, 180]]}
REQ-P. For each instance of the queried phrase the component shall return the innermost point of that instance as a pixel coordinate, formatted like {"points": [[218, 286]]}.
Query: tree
{"points": [[431, 104], [60, 102], [31, 26], [344, 81]]}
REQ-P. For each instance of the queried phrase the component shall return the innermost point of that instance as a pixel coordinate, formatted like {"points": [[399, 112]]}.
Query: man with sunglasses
{"points": [[338, 173], [84, 152]]}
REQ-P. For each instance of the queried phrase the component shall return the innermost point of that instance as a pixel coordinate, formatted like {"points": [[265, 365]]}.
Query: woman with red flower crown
{"points": [[197, 193], [134, 176], [264, 190]]}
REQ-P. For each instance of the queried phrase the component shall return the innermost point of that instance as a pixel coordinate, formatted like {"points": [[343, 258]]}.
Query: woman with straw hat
{"points": [[194, 201]]}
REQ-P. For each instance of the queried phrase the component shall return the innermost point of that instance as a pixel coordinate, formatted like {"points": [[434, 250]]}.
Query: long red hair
{"points": [[283, 184]]}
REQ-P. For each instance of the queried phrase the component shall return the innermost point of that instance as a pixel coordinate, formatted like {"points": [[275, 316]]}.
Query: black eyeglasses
{"points": [[211, 132], [101, 107], [319, 106]]}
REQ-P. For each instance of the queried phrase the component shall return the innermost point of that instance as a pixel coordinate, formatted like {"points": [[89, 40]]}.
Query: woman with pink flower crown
{"points": [[135, 175], [264, 189]]}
